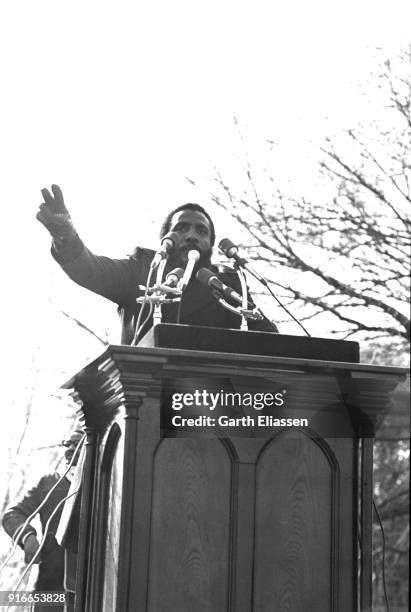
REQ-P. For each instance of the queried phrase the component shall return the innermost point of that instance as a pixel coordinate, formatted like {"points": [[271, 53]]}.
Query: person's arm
{"points": [[16, 516], [114, 279]]}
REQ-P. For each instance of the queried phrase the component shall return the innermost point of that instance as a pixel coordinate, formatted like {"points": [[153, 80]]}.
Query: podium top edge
{"points": [[298, 365], [158, 352]]}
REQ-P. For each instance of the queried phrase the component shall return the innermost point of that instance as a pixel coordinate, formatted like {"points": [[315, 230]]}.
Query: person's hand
{"points": [[31, 546], [54, 215]]}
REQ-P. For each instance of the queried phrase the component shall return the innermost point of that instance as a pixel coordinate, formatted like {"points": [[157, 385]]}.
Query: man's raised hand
{"points": [[54, 215]]}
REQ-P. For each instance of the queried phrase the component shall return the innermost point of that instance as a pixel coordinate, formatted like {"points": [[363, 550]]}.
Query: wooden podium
{"points": [[218, 519]]}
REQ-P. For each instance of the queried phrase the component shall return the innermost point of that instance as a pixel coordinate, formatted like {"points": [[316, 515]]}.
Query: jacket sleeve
{"points": [[114, 279], [17, 515]]}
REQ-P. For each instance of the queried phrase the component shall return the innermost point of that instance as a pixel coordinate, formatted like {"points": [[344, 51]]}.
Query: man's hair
{"points": [[165, 228]]}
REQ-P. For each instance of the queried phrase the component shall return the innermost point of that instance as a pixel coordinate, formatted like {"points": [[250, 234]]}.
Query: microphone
{"points": [[211, 280], [168, 243], [229, 249], [173, 277], [193, 257]]}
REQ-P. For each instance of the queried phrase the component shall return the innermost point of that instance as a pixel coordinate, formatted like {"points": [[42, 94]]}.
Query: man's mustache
{"points": [[190, 245]]}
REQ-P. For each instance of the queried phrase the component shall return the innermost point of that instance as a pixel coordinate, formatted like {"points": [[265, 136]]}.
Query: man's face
{"points": [[69, 452], [194, 231], [70, 445]]}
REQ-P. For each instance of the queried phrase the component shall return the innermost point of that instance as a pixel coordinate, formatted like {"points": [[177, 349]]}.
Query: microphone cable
{"points": [[138, 326], [29, 565], [230, 250], [285, 308], [174, 239], [140, 329], [20, 530], [384, 582]]}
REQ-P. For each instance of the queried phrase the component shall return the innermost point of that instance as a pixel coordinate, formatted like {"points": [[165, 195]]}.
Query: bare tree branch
{"points": [[361, 233]]}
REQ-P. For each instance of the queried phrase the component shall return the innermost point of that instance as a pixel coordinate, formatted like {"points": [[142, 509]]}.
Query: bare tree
{"points": [[348, 240], [353, 244]]}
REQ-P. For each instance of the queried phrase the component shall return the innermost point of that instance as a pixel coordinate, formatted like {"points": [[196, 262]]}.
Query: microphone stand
{"points": [[157, 315], [154, 296], [157, 295], [245, 313], [230, 250], [244, 305]]}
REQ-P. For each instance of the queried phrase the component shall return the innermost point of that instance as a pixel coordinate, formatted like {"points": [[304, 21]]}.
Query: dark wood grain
{"points": [[244, 524], [191, 512], [293, 527]]}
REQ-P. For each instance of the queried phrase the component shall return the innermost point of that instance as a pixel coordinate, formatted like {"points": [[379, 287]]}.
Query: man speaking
{"points": [[189, 227]]}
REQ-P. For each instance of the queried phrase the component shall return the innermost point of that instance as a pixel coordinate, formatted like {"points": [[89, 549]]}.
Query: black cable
{"points": [[383, 553], [286, 309]]}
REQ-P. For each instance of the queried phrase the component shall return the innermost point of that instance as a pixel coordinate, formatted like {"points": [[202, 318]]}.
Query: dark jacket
{"points": [[118, 280], [51, 567]]}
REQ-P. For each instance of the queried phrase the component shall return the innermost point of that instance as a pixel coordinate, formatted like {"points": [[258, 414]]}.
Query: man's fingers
{"points": [[43, 219], [44, 214], [48, 198], [39, 217], [58, 199], [51, 219], [55, 202], [54, 215]]}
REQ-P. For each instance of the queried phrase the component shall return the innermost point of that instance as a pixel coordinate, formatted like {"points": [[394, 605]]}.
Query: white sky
{"points": [[118, 102]]}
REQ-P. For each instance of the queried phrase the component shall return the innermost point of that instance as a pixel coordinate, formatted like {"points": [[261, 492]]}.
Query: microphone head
{"points": [[168, 243], [174, 276], [178, 272], [227, 247], [204, 276], [171, 239], [193, 255]]}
